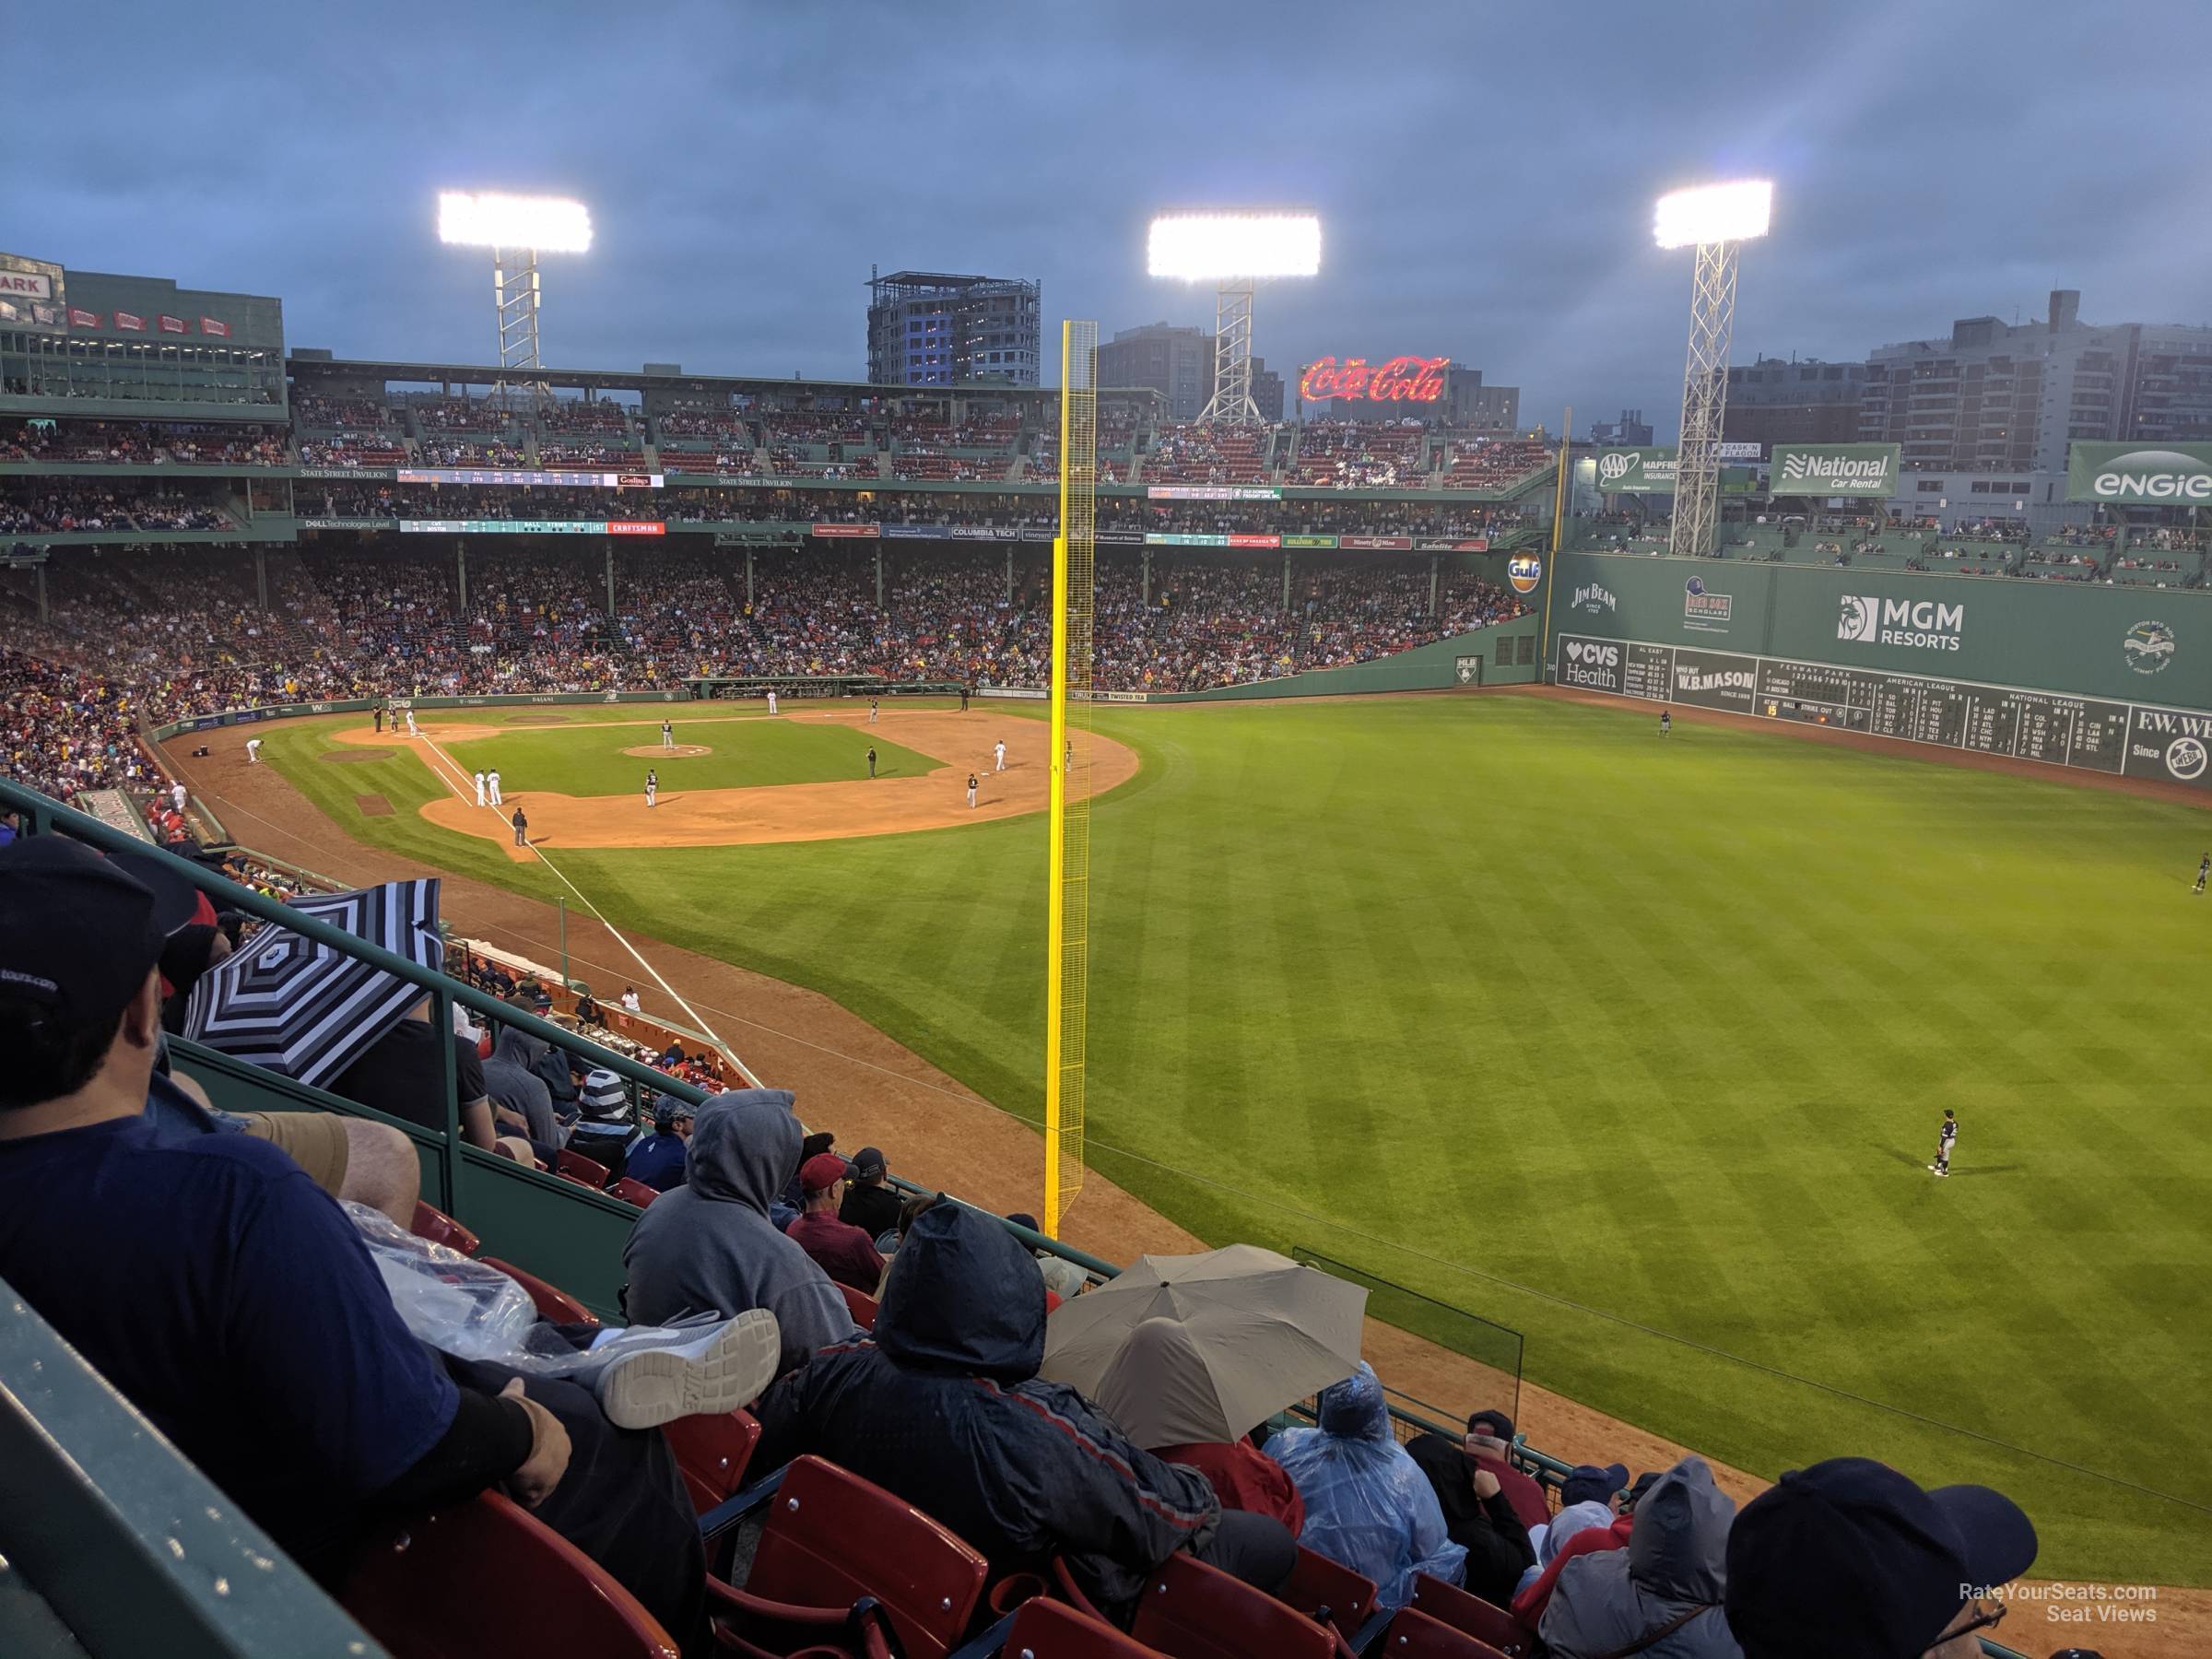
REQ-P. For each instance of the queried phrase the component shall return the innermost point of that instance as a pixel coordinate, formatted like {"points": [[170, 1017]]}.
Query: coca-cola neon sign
{"points": [[1401, 380]]}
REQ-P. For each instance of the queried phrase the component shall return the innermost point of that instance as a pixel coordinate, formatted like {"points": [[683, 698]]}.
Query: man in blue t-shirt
{"points": [[232, 1301]]}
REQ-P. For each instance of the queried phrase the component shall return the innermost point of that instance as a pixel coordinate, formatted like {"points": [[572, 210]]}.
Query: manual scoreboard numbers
{"points": [[2046, 726]]}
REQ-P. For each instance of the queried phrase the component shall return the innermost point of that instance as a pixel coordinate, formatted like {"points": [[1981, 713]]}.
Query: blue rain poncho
{"points": [[1368, 1507]]}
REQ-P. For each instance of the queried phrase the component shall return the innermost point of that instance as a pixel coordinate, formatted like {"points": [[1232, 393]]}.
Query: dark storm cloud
{"points": [[1485, 171]]}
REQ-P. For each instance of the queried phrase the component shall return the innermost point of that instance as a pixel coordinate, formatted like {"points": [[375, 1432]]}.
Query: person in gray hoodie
{"points": [[511, 1079], [1659, 1597], [709, 1244]]}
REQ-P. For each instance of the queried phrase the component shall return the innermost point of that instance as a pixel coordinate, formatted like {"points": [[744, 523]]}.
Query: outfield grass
{"points": [[747, 753], [1636, 1045]]}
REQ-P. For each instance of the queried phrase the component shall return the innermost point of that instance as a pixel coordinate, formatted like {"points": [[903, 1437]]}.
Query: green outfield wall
{"points": [[2112, 680], [2133, 644], [1507, 654]]}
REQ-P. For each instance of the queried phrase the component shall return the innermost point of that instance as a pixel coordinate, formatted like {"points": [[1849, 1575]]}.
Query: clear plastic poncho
{"points": [[1368, 1507]]}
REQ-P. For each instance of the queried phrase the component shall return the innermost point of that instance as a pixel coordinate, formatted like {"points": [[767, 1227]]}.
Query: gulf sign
{"points": [[1524, 571], [1401, 380]]}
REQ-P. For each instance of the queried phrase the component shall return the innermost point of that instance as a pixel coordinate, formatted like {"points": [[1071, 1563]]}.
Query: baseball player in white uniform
{"points": [[411, 731], [176, 794], [492, 778], [771, 702], [998, 750], [652, 786], [253, 751], [481, 798]]}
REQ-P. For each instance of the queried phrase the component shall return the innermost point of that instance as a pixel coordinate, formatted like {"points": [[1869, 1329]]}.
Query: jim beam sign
{"points": [[1834, 469], [2161, 475]]}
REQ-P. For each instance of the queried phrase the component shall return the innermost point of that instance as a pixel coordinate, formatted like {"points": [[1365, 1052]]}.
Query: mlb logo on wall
{"points": [[1859, 618], [1704, 610], [1524, 571]]}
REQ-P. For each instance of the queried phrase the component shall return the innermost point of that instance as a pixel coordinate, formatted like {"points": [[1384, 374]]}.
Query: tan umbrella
{"points": [[1205, 1347]]}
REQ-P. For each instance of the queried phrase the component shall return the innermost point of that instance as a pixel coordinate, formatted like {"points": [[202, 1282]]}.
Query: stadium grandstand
{"points": [[364, 535]]}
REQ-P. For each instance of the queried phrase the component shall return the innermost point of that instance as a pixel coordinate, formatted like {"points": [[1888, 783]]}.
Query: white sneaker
{"points": [[654, 1376]]}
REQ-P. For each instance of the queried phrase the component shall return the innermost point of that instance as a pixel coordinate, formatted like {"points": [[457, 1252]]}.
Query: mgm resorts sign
{"points": [[1869, 620], [2168, 474]]}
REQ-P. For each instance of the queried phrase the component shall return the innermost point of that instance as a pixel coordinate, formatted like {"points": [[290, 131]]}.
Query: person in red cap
{"points": [[842, 1251]]}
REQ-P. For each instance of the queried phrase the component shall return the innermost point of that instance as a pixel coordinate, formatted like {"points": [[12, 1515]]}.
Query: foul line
{"points": [[462, 784]]}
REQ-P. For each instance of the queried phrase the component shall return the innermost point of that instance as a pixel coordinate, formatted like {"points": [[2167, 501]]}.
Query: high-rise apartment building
{"points": [[926, 328]]}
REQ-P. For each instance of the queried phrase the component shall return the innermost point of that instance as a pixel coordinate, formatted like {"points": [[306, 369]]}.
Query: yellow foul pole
{"points": [[1055, 901]]}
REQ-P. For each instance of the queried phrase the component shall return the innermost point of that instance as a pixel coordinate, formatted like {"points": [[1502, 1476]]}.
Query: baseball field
{"points": [[1636, 1044]]}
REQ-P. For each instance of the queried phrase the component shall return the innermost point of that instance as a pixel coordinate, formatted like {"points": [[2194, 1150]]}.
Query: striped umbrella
{"points": [[296, 1007]]}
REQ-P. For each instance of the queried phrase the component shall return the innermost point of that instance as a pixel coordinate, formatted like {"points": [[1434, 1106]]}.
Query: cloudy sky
{"points": [[1483, 172]]}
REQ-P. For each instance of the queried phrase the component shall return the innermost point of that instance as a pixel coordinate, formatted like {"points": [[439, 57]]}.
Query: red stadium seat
{"points": [[577, 1167], [1323, 1590], [1047, 1630], [632, 1192], [552, 1303], [440, 1228], [1413, 1634], [862, 1308], [484, 1581], [711, 1452], [1472, 1615], [1191, 1611], [833, 1539]]}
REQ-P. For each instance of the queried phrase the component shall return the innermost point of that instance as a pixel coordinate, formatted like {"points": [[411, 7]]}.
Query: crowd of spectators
{"points": [[184, 630], [1345, 454], [1199, 452], [467, 452], [315, 412], [78, 506], [144, 444]]}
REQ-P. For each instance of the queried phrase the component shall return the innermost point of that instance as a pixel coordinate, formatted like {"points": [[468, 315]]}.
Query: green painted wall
{"points": [[1432, 667], [2131, 644]]}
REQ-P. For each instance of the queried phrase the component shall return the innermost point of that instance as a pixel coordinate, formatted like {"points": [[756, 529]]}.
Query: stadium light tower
{"points": [[1235, 251], [1716, 219], [516, 230]]}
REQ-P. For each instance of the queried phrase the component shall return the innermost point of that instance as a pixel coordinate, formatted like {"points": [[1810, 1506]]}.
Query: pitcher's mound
{"points": [[682, 751]]}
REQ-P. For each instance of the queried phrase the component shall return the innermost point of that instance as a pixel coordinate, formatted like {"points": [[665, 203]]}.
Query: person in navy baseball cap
{"points": [[79, 936], [1850, 1560]]}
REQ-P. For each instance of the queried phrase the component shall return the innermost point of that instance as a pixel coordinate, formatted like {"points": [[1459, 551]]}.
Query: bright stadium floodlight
{"points": [[1235, 251], [1715, 219], [517, 229], [1714, 213], [1216, 247]]}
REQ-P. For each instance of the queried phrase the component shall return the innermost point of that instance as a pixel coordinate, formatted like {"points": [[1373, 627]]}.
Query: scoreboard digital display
{"points": [[2133, 739]]}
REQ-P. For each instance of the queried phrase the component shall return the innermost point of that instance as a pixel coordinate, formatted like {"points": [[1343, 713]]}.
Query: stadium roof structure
{"points": [[321, 363]]}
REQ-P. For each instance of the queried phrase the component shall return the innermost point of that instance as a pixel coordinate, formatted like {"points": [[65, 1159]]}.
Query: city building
{"points": [[1175, 362], [1801, 400], [1266, 390], [2001, 398], [1630, 431], [926, 328], [112, 344]]}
